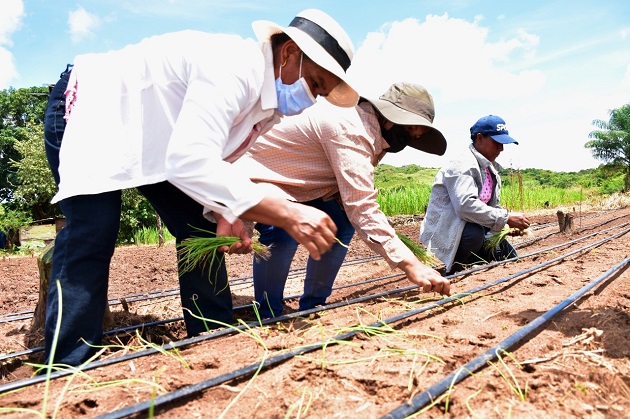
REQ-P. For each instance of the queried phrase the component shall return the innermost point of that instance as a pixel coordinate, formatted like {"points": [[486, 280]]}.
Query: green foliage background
{"points": [[406, 190]]}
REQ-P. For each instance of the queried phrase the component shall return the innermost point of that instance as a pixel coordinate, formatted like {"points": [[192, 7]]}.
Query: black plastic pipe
{"points": [[422, 399]]}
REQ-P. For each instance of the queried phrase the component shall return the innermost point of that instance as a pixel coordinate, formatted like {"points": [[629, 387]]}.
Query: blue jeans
{"points": [[84, 247], [270, 276], [471, 249]]}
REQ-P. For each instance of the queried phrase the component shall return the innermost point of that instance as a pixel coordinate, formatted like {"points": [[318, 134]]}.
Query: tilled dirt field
{"points": [[547, 335]]}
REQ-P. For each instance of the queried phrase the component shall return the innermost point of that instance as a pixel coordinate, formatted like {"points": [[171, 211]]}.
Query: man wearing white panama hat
{"points": [[325, 158], [167, 116]]}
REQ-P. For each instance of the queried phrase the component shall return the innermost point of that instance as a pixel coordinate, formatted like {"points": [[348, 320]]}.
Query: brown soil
{"points": [[576, 364]]}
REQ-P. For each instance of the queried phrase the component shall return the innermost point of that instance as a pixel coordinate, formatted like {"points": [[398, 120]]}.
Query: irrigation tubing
{"points": [[213, 382], [266, 363], [247, 280], [428, 396], [172, 291], [537, 238], [342, 303], [101, 363]]}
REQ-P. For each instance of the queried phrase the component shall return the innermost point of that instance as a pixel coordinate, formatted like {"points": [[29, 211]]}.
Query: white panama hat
{"points": [[324, 41]]}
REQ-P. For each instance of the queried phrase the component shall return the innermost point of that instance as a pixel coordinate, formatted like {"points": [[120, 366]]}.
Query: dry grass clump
{"points": [[614, 201]]}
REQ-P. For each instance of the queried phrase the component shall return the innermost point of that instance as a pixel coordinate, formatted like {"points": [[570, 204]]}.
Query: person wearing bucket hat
{"points": [[464, 208], [325, 157], [168, 116]]}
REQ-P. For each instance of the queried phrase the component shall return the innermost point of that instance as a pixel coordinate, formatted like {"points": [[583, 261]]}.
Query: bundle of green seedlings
{"points": [[419, 251], [201, 251], [494, 240]]}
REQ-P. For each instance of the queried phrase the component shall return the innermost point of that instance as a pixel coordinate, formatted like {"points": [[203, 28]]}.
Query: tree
{"points": [[36, 185], [26, 182], [611, 142], [18, 109]]}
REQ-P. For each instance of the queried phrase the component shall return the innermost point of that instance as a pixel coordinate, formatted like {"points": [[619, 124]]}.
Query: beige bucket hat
{"points": [[324, 41], [411, 104]]}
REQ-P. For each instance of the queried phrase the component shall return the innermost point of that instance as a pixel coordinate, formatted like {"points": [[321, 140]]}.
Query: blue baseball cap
{"points": [[494, 127]]}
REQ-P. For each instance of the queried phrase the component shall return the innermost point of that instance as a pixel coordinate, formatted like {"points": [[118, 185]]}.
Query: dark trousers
{"points": [[270, 276], [472, 249], [84, 247]]}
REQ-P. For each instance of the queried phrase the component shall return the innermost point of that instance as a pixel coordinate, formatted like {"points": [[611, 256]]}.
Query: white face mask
{"points": [[293, 98]]}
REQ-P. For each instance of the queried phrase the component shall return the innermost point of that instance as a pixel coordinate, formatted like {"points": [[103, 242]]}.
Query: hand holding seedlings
{"points": [[425, 277], [224, 228], [202, 248], [515, 232], [310, 227], [518, 220], [417, 270], [493, 241]]}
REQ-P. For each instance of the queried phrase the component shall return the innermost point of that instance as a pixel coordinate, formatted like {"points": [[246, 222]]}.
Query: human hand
{"points": [[236, 229], [425, 277], [312, 228], [518, 220]]}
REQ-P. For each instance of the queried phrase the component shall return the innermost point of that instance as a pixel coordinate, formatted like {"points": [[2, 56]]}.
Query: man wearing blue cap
{"points": [[464, 203]]}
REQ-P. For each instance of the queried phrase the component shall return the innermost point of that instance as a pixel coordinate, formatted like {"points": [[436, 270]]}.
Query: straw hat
{"points": [[411, 104], [324, 41]]}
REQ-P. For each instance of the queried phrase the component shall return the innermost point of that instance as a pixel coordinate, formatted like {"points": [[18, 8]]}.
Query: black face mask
{"points": [[397, 138]]}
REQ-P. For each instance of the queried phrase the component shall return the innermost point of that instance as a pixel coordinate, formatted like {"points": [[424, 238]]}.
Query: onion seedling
{"points": [[420, 252], [202, 251], [494, 240]]}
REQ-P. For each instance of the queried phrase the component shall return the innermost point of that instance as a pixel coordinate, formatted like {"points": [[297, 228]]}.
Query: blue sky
{"points": [[549, 68]]}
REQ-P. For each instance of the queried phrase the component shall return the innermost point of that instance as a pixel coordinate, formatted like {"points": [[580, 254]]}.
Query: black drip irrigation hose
{"points": [[30, 351], [428, 396], [537, 238], [213, 382], [343, 303], [246, 371], [247, 280]]}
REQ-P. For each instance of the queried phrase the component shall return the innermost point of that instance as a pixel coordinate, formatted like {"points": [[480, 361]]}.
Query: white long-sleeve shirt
{"points": [[176, 107]]}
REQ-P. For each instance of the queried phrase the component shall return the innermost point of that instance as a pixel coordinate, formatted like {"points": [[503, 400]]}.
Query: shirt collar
{"points": [[484, 162], [373, 128], [268, 95]]}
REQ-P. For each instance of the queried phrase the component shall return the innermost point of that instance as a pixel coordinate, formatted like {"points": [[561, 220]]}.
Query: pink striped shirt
{"points": [[328, 152]]}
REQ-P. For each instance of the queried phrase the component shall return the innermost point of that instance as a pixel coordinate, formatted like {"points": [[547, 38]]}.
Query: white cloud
{"points": [[8, 70], [10, 21], [82, 24], [472, 72], [451, 57]]}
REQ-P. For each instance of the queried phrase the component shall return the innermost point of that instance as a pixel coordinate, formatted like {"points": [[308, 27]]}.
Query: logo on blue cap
{"points": [[494, 127]]}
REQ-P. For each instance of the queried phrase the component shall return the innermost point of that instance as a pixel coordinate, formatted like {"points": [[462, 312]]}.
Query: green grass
{"points": [[404, 200], [149, 235], [406, 190], [535, 197], [386, 176]]}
